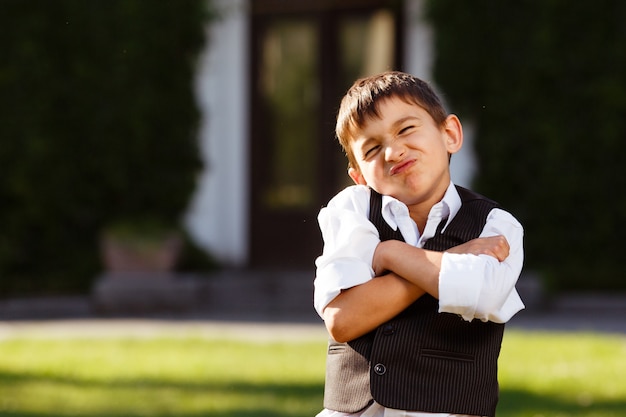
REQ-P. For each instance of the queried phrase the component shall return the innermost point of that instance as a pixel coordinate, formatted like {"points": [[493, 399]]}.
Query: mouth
{"points": [[401, 167]]}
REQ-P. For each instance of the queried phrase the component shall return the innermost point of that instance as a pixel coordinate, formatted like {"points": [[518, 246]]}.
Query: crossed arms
{"points": [[475, 280], [407, 274]]}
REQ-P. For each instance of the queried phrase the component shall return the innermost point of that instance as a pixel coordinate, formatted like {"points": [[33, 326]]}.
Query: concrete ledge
{"points": [[142, 293], [591, 302], [45, 307]]}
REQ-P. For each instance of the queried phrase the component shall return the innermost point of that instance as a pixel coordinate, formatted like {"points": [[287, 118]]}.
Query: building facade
{"points": [[268, 86]]}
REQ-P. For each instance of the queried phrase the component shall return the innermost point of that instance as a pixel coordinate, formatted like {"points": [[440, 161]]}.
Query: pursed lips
{"points": [[401, 167]]}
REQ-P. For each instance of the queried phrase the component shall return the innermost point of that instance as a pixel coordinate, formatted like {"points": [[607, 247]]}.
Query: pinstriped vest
{"points": [[421, 360]]}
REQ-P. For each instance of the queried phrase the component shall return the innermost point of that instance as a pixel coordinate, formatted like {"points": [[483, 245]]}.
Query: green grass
{"points": [[561, 375], [540, 374]]}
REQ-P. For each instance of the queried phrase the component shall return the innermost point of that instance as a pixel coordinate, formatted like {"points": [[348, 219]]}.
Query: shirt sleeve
{"points": [[350, 240], [481, 287]]}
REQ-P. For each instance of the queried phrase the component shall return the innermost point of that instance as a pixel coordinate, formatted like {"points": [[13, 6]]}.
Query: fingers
{"points": [[500, 247], [495, 246]]}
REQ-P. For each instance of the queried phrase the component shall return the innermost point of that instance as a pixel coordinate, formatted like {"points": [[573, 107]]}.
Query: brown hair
{"points": [[362, 100]]}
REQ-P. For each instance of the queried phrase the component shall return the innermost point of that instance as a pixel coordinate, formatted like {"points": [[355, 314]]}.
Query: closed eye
{"points": [[371, 151], [406, 129]]}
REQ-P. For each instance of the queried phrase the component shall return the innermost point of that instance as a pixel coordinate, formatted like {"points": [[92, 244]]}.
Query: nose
{"points": [[395, 150]]}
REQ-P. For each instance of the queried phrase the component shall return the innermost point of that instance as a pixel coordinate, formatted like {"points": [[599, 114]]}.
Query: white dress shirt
{"points": [[475, 287]]}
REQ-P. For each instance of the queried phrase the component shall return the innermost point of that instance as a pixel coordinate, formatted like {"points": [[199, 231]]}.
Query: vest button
{"points": [[380, 369], [389, 329]]}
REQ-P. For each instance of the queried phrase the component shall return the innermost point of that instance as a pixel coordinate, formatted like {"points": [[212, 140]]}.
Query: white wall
{"points": [[217, 218]]}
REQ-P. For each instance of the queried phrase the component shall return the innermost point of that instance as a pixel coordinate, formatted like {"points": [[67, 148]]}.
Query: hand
{"points": [[496, 246]]}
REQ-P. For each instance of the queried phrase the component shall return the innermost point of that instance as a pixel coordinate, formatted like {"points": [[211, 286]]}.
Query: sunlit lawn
{"points": [[563, 375], [541, 375]]}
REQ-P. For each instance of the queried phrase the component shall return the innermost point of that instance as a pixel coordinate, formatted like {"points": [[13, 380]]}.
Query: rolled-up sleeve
{"points": [[481, 287], [350, 240]]}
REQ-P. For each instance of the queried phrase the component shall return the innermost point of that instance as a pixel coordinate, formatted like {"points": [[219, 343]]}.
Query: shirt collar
{"points": [[393, 209], [448, 207], [451, 204]]}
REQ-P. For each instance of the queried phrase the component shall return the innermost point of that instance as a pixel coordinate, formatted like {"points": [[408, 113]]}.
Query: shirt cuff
{"points": [[338, 275], [460, 282]]}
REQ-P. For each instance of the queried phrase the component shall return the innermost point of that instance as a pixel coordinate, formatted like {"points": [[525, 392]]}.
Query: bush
{"points": [[545, 83], [98, 123]]}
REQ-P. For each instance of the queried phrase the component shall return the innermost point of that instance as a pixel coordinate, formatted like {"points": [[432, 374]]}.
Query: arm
{"points": [[422, 267], [347, 297], [360, 309], [350, 240], [477, 279], [479, 286]]}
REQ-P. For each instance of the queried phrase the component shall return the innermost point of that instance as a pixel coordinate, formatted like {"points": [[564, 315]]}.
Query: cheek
{"points": [[374, 174]]}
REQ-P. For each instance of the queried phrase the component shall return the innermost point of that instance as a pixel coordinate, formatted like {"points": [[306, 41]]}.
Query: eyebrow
{"points": [[365, 144], [404, 119]]}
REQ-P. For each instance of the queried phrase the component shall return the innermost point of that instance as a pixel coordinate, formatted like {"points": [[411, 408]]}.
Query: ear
{"points": [[356, 176], [454, 134]]}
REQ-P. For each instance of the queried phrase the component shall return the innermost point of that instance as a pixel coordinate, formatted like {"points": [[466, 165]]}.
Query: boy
{"points": [[423, 337]]}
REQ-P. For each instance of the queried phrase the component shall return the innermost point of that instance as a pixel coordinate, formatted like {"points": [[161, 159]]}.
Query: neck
{"points": [[419, 219], [419, 212]]}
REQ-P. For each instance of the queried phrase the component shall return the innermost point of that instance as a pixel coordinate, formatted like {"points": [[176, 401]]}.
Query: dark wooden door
{"points": [[304, 56]]}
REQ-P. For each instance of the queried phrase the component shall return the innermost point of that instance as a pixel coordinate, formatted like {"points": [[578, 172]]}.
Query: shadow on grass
{"points": [[523, 403], [513, 403], [13, 378], [276, 396], [273, 412]]}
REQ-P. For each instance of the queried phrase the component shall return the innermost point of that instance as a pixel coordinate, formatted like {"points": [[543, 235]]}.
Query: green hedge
{"points": [[545, 83], [98, 123]]}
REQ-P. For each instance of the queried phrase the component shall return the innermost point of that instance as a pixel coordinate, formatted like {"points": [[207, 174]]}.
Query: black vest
{"points": [[421, 360]]}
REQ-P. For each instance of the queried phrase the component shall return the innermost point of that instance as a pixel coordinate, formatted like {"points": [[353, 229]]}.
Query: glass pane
{"points": [[290, 87], [366, 47]]}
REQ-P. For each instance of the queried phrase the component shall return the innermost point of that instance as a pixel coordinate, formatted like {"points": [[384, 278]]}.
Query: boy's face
{"points": [[404, 154]]}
